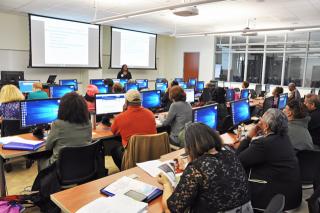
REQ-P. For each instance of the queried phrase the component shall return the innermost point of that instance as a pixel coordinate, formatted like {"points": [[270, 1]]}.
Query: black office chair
{"points": [[11, 128], [309, 162], [77, 165], [276, 204]]}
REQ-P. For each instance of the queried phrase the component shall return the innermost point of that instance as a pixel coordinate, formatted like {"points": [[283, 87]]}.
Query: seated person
{"points": [[312, 103], [37, 92], [206, 95], [117, 88], [269, 158], [294, 92], [10, 96], [245, 85], [90, 97], [275, 93], [135, 119], [213, 181], [219, 96], [298, 126], [72, 128], [179, 114], [108, 82], [165, 100]]}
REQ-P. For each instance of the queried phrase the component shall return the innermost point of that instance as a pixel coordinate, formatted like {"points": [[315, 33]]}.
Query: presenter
{"points": [[124, 73]]}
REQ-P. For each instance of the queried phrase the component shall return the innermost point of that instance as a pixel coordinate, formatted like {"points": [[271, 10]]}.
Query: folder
{"points": [[23, 146]]}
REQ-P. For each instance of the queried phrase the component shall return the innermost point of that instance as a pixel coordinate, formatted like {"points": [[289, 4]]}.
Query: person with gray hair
{"points": [[294, 92], [269, 159], [312, 102]]}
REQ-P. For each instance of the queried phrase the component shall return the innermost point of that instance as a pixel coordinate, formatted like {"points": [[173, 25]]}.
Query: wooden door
{"points": [[191, 65]]}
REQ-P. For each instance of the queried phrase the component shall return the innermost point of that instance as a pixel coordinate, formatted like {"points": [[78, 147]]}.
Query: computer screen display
{"points": [[96, 81], [192, 82], [178, 79], [244, 94], [72, 82], [102, 88], [282, 101], [115, 80], [160, 80], [258, 89], [230, 95], [183, 85], [26, 86], [143, 83], [129, 86], [200, 86], [59, 91], [36, 112], [109, 103], [190, 95], [207, 115], [240, 111], [161, 86], [123, 82], [151, 99]]}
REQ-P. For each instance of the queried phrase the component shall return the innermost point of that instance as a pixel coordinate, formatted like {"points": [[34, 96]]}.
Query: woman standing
{"points": [[124, 73]]}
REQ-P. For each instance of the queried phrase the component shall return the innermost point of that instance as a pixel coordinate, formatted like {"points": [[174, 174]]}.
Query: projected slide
{"points": [[136, 49], [207, 115], [62, 43], [39, 112]]}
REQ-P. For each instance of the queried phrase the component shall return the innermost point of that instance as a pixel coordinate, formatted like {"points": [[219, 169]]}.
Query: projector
{"points": [[186, 11]]}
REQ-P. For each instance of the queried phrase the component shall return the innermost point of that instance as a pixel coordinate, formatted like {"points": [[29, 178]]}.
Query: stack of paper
{"points": [[115, 204]]}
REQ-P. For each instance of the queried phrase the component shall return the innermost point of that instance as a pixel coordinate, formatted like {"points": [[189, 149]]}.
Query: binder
{"points": [[22, 146]]}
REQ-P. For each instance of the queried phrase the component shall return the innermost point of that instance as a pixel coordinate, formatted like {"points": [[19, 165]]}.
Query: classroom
{"points": [[160, 106]]}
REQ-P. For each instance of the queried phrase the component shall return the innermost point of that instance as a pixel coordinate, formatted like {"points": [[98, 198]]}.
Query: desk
{"points": [[99, 133], [71, 200]]}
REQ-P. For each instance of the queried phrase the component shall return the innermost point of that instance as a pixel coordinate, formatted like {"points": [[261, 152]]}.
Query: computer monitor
{"points": [[230, 94], [123, 82], [258, 89], [97, 81], [162, 86], [129, 86], [102, 88], [38, 112], [268, 103], [151, 98], [240, 111], [207, 115], [183, 85], [143, 83], [282, 101], [11, 77], [51, 79], [244, 94], [192, 82], [160, 80], [109, 103], [190, 95], [115, 80], [27, 86], [200, 86], [72, 82], [60, 91], [178, 79]]}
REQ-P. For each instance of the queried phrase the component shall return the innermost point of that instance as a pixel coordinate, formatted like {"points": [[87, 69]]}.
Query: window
{"points": [[237, 67], [255, 61], [273, 68], [222, 60], [294, 65], [313, 70]]}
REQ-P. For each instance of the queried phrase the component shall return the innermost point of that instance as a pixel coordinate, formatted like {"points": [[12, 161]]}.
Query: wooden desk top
{"points": [[99, 133], [71, 200]]}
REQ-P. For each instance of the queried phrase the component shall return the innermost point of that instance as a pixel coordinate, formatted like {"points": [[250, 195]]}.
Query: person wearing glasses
{"points": [[213, 181]]}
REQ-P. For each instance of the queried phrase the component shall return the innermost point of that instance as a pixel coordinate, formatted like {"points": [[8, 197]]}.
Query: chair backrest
{"points": [[276, 204], [12, 127], [309, 162], [143, 148], [77, 165]]}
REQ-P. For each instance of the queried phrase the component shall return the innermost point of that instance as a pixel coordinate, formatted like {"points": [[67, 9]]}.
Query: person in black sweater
{"points": [[270, 162], [312, 103], [165, 100], [124, 73], [213, 181]]}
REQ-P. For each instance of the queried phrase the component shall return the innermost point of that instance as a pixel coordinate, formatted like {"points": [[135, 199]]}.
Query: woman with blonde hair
{"points": [[37, 92], [10, 96]]}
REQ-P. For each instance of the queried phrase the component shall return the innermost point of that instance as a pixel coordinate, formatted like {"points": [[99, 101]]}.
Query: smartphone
{"points": [[136, 195]]}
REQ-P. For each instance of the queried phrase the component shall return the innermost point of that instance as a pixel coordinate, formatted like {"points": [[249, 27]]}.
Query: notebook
{"points": [[125, 184]]}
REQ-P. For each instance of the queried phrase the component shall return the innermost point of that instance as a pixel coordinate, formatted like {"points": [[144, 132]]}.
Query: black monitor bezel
{"points": [[206, 106], [149, 91], [58, 86], [282, 94], [232, 117]]}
